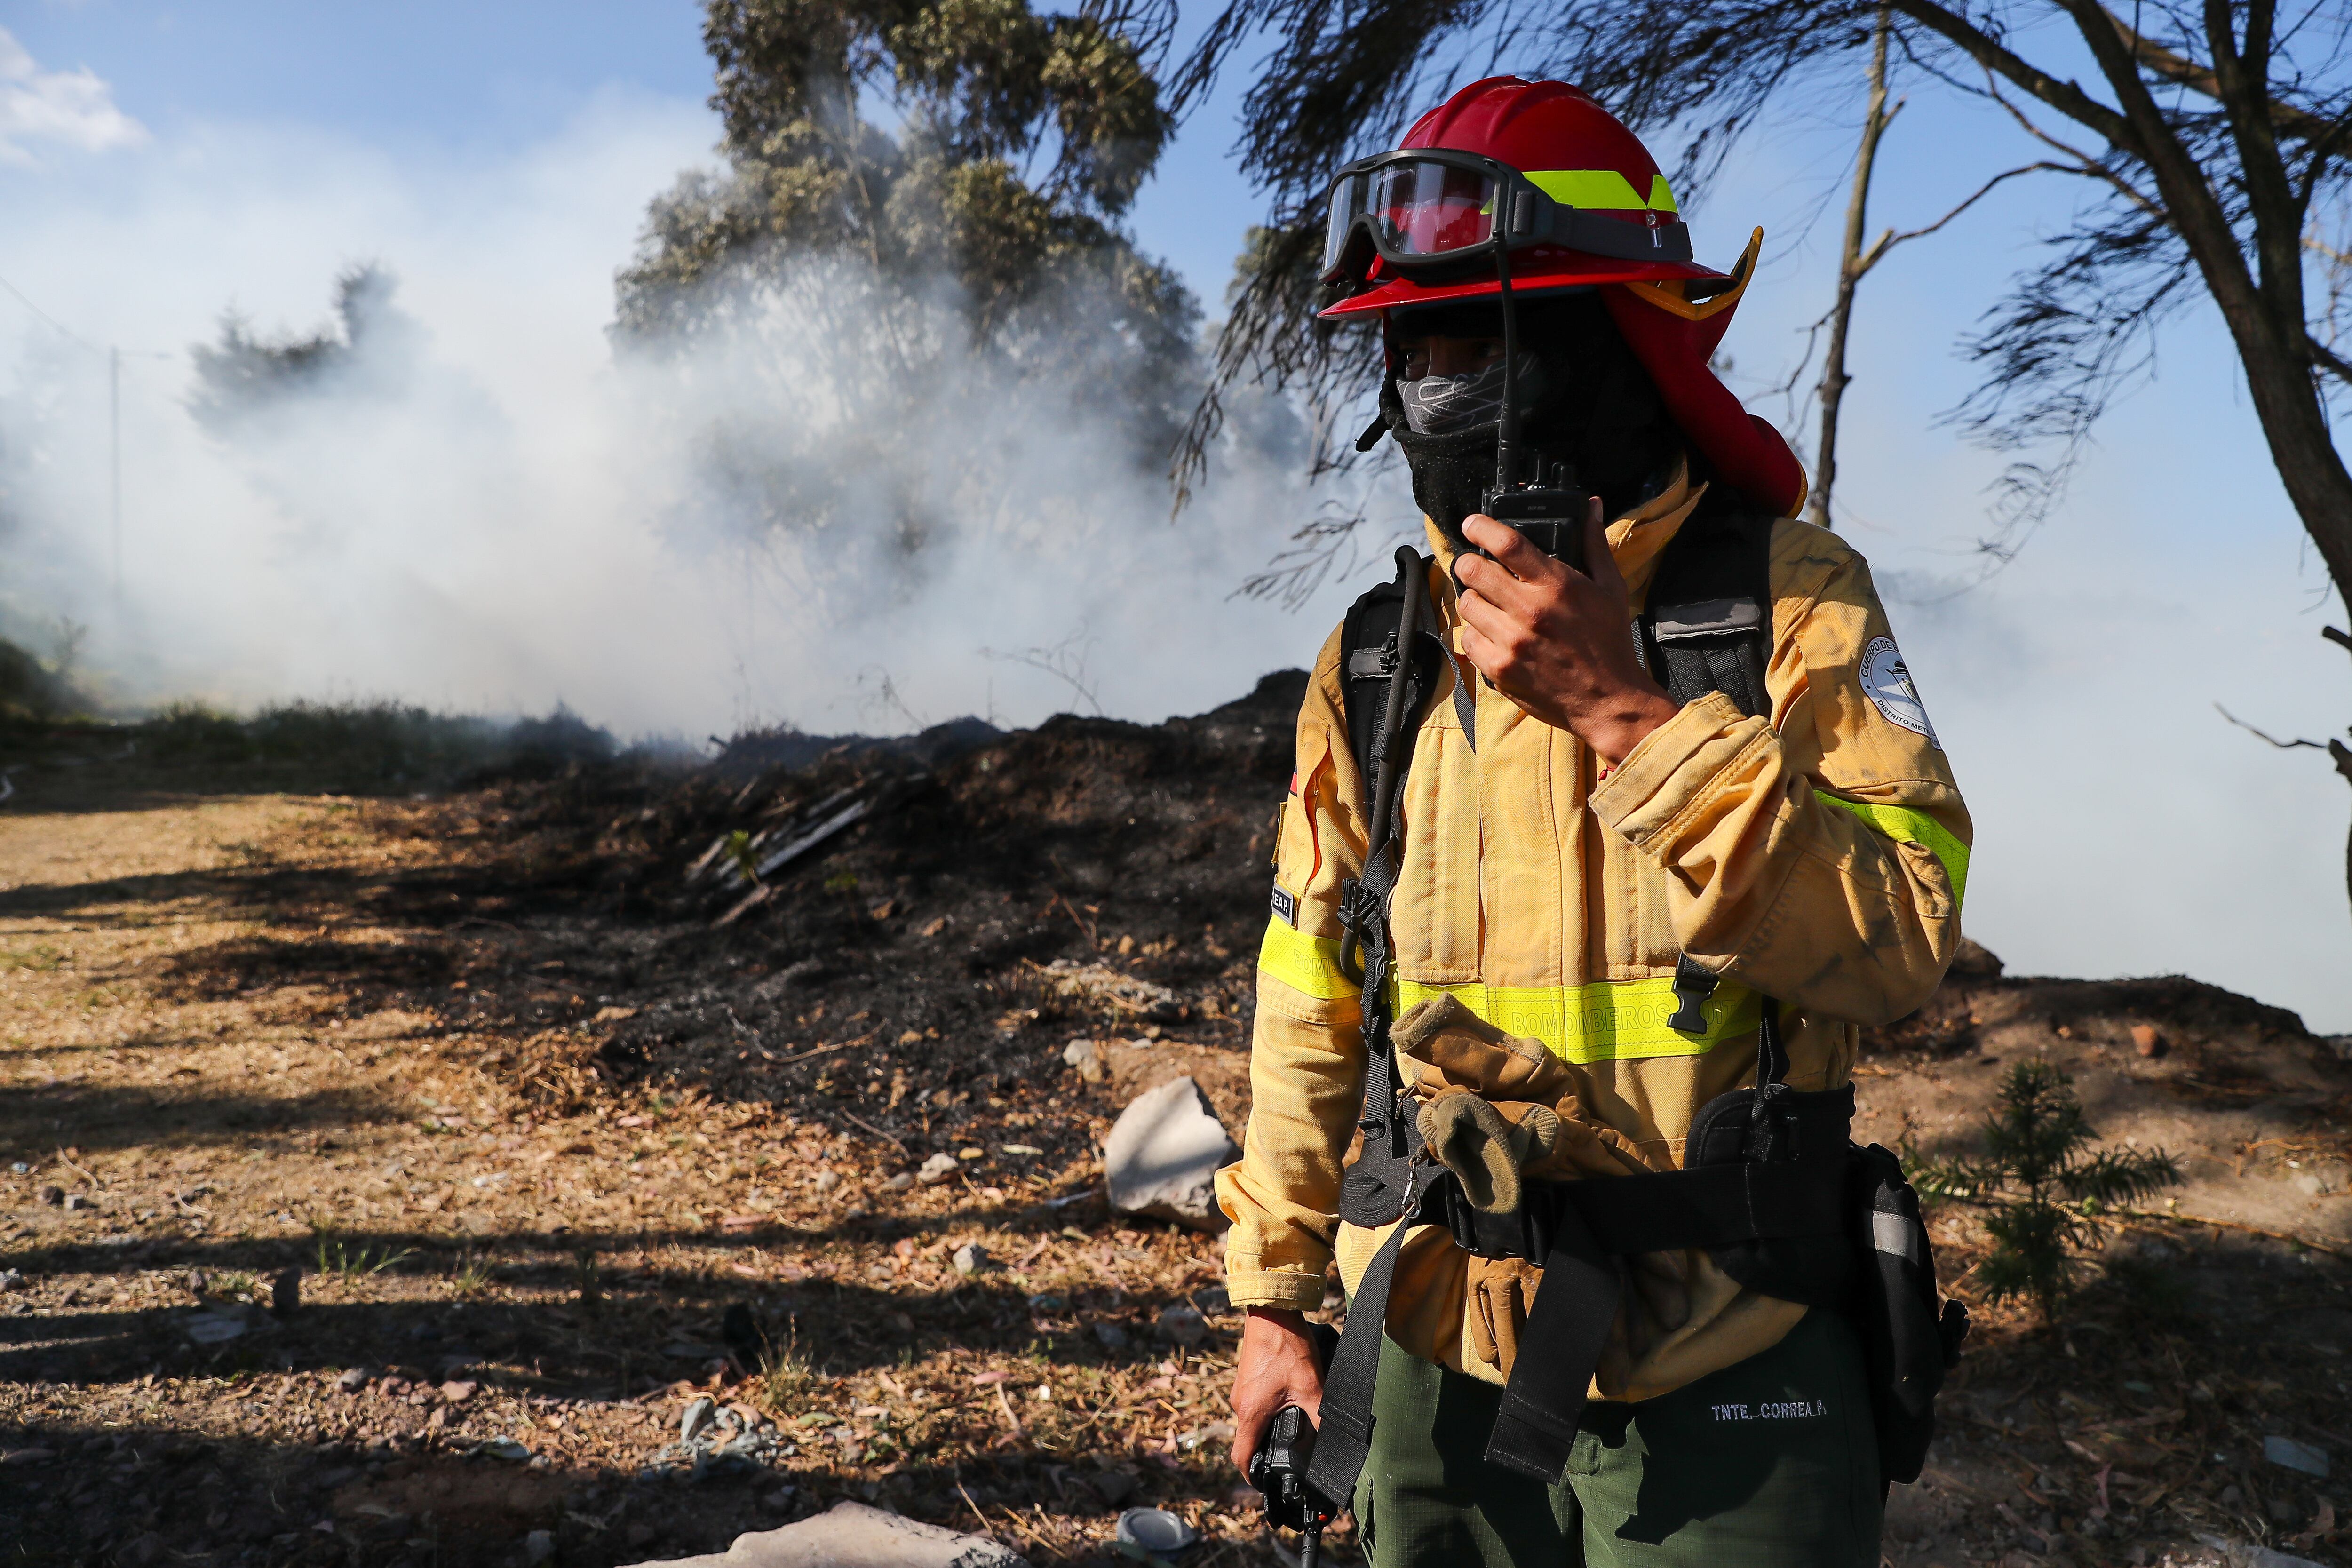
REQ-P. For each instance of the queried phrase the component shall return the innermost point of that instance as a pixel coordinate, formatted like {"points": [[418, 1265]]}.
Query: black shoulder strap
{"points": [[1380, 686], [1367, 659], [1708, 624]]}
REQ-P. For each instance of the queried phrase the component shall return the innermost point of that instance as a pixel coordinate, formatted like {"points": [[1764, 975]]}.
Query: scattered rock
{"points": [[1086, 1058], [52, 1195], [938, 1168], [505, 1449], [1214, 1299], [1182, 1325], [2295, 1455], [76, 1201], [901, 1182], [971, 1258], [1163, 1154], [827, 1179], [780, 1499], [696, 1417], [286, 1292], [12, 1279], [2145, 1040], [538, 1547], [1114, 1487], [1112, 1336], [354, 1380], [852, 1535], [458, 1391], [14, 1457]]}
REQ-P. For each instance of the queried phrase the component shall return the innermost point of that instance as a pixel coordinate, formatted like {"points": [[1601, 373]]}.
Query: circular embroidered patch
{"points": [[1888, 682]]}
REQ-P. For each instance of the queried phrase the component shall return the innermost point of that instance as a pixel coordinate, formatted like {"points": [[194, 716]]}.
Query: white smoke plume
{"points": [[476, 503]]}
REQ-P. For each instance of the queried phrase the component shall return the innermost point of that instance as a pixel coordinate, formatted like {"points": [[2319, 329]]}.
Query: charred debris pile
{"points": [[903, 935]]}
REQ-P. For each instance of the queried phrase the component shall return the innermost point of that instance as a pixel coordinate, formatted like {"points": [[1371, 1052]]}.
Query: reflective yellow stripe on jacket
{"points": [[1305, 964], [1609, 1020], [1908, 826]]}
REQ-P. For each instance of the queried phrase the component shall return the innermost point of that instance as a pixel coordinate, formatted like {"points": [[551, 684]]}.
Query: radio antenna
{"points": [[1507, 435]]}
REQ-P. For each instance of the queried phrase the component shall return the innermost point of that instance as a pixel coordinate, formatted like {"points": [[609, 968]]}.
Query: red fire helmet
{"points": [[1590, 177]]}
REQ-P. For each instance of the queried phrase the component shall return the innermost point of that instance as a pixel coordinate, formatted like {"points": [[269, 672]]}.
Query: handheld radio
{"points": [[1278, 1468], [1548, 511]]}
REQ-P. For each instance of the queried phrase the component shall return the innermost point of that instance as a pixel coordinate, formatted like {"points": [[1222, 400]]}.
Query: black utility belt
{"points": [[1663, 1211]]}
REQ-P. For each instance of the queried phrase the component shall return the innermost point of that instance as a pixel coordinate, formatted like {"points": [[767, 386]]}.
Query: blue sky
{"points": [[161, 163]]}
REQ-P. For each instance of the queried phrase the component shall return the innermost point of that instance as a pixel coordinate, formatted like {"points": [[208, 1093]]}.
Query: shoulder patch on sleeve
{"points": [[1887, 681]]}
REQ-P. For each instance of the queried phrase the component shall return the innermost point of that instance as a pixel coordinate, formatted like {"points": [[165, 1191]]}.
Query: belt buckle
{"points": [[1498, 1235]]}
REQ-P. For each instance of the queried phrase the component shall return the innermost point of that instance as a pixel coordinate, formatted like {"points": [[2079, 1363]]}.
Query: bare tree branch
{"points": [[2084, 162], [2161, 61], [2062, 96], [2261, 735], [1892, 238]]}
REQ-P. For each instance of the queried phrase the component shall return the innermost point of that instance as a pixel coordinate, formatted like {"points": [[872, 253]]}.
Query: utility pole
{"points": [[114, 440]]}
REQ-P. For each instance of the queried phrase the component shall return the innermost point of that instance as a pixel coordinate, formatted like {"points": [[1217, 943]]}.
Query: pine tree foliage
{"points": [[1016, 141], [246, 371], [2041, 1185]]}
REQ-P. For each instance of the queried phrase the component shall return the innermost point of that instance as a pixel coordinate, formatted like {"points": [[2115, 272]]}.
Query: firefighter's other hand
{"points": [[1276, 1367], [1556, 641]]}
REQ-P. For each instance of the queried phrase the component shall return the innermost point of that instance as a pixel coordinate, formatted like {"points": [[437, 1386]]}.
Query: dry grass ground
{"points": [[522, 1138]]}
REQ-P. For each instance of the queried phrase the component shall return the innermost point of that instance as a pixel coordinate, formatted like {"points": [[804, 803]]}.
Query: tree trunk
{"points": [[1850, 266], [2286, 400]]}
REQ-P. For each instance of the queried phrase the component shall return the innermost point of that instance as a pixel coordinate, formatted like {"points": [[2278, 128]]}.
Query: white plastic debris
{"points": [[852, 1535], [216, 1327], [1156, 1531]]}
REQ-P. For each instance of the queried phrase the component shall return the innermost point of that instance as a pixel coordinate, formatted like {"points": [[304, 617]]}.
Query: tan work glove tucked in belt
{"points": [[1497, 1111]]}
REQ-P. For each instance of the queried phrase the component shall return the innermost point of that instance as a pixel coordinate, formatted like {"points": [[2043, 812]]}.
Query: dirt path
{"points": [[532, 1173], [199, 1097]]}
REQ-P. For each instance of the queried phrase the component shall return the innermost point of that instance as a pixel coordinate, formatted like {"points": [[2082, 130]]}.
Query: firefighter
{"points": [[1620, 897]]}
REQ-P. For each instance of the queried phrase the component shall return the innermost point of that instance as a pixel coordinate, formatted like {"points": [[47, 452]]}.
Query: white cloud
{"points": [[75, 108]]}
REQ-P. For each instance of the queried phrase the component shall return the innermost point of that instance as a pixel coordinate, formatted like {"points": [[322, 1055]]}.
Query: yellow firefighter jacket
{"points": [[1816, 858]]}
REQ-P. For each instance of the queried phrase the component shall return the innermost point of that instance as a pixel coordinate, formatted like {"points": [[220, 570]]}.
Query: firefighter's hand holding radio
{"points": [[1554, 640]]}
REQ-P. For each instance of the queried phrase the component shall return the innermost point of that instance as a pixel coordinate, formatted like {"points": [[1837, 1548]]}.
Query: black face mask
{"points": [[1595, 408], [1452, 472]]}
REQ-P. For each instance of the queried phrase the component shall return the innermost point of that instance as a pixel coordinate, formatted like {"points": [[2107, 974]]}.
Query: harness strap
{"points": [[1343, 1438], [1573, 1311]]}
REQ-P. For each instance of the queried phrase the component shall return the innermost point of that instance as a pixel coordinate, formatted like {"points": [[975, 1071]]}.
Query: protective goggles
{"points": [[1429, 209]]}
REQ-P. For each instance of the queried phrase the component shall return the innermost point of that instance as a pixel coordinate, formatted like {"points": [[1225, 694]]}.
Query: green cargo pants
{"points": [[1771, 1463]]}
